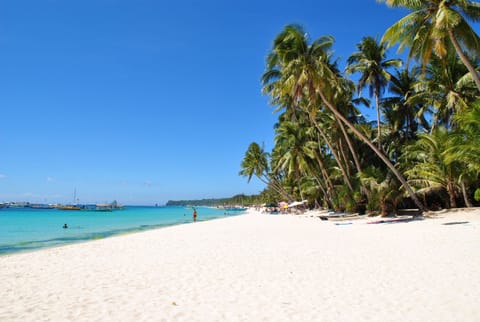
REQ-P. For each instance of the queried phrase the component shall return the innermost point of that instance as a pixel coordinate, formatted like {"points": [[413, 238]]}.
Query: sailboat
{"points": [[74, 206]]}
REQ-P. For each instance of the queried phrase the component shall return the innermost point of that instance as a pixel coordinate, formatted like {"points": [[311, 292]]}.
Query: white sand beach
{"points": [[256, 267]]}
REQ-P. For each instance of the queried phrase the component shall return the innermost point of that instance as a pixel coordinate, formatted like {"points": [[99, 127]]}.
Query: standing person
{"points": [[194, 214]]}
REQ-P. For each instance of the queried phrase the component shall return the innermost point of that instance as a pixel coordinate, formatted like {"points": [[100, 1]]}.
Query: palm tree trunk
{"points": [[407, 129], [464, 58], [281, 190], [325, 192], [272, 182], [330, 189], [334, 153], [451, 194], [350, 146], [376, 150], [354, 154], [468, 203], [379, 126], [341, 148]]}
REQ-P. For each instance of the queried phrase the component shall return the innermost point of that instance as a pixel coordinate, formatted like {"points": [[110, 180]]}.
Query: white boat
{"points": [[104, 207]]}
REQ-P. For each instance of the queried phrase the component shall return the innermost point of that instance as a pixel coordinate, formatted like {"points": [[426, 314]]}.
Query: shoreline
{"points": [[255, 267], [78, 232]]}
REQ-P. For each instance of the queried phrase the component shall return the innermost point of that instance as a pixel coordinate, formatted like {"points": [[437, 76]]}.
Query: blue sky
{"points": [[145, 101]]}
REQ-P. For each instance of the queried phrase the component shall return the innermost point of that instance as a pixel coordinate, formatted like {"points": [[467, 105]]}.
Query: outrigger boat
{"points": [[69, 207], [104, 207]]}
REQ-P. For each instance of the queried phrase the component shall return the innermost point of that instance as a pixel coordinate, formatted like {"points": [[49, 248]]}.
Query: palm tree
{"points": [[255, 163], [295, 132], [465, 147], [344, 102], [328, 190], [433, 26], [370, 61], [402, 111], [447, 88], [293, 156], [430, 166], [308, 75], [292, 84]]}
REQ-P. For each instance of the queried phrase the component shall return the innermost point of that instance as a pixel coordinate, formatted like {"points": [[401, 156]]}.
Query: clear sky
{"points": [[143, 101]]}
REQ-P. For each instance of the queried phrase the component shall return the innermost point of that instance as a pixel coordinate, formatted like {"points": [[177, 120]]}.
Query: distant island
{"points": [[240, 199]]}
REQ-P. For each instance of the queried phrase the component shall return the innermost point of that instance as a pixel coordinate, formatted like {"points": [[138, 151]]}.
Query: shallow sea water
{"points": [[23, 229]]}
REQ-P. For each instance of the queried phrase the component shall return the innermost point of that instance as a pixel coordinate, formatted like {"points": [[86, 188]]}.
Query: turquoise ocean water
{"points": [[26, 229]]}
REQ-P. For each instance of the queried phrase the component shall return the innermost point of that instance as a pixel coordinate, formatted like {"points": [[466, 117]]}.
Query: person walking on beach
{"points": [[194, 214]]}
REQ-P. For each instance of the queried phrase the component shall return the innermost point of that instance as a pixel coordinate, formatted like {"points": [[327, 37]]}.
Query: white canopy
{"points": [[297, 203]]}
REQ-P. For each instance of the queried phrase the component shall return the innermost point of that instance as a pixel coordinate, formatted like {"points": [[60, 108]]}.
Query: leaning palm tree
{"points": [[293, 156], [345, 103], [287, 79], [370, 61], [255, 163], [294, 131], [309, 76], [433, 25]]}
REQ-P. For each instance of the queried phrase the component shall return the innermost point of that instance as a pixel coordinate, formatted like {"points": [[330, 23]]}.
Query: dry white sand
{"points": [[255, 268]]}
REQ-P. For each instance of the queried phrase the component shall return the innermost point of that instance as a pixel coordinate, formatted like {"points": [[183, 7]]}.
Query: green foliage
{"points": [[465, 145], [351, 206], [429, 130], [430, 166], [477, 195], [255, 162], [433, 27], [373, 204], [385, 191]]}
